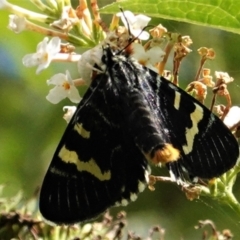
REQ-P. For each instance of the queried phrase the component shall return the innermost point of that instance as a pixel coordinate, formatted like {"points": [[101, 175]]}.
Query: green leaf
{"points": [[221, 14]]}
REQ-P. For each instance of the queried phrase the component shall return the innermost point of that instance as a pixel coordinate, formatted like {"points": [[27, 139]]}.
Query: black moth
{"points": [[129, 116]]}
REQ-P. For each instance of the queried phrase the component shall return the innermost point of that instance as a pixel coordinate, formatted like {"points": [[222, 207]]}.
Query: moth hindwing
{"points": [[128, 117]]}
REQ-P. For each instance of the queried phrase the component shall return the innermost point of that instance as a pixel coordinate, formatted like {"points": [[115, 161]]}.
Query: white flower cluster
{"points": [[50, 50]]}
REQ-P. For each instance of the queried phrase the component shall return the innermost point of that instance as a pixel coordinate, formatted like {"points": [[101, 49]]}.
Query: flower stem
{"points": [[22, 12], [223, 193]]}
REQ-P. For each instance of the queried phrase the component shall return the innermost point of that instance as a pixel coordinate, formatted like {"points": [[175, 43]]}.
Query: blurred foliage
{"points": [[20, 219], [31, 127]]}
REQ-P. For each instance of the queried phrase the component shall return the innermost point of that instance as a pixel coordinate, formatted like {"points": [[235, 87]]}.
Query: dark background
{"points": [[31, 127]]}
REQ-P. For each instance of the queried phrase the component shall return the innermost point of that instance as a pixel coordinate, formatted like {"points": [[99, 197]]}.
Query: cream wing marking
{"points": [[196, 116], [177, 100], [89, 166], [81, 130]]}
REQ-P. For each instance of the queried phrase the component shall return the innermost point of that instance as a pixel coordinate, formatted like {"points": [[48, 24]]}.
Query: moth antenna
{"points": [[128, 26], [131, 38]]}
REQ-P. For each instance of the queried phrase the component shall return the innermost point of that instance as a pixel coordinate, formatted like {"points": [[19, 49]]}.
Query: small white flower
{"points": [[69, 111], [65, 22], [16, 23], [44, 55], [136, 23], [233, 117], [87, 62], [147, 58], [223, 77], [64, 88]]}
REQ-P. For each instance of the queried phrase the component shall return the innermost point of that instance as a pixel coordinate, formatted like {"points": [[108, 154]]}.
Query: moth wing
{"points": [[95, 165], [207, 147]]}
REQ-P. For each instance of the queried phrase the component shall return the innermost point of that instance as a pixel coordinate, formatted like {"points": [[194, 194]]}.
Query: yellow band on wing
{"points": [[89, 166], [81, 130]]}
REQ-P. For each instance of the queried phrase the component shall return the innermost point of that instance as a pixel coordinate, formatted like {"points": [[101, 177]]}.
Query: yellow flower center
{"points": [[142, 62], [66, 85], [45, 57]]}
